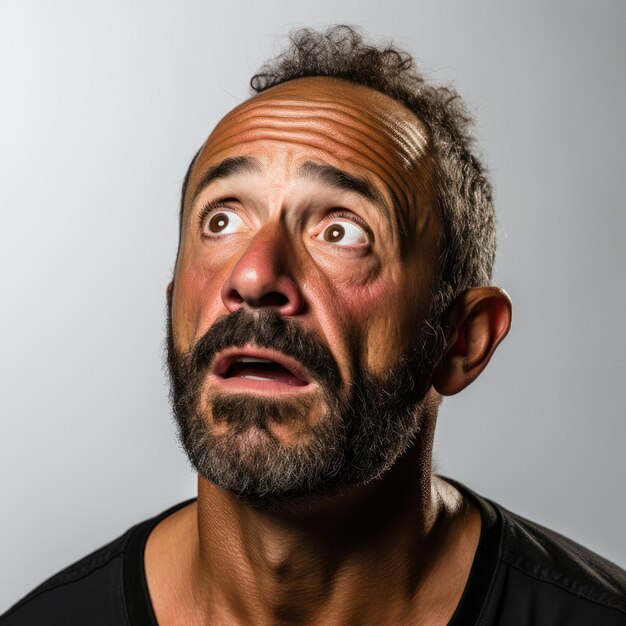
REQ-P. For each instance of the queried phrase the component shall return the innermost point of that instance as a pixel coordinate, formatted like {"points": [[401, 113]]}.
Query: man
{"points": [[332, 283]]}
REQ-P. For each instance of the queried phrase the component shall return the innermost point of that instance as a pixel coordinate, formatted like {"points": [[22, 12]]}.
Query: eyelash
{"points": [[209, 208], [347, 215]]}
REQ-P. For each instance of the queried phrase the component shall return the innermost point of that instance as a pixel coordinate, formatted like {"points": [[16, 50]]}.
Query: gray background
{"points": [[102, 107]]}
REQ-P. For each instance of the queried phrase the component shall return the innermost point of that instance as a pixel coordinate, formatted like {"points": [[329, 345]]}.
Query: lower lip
{"points": [[262, 387]]}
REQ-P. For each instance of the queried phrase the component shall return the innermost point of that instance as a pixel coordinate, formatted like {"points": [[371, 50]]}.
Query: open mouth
{"points": [[261, 366]]}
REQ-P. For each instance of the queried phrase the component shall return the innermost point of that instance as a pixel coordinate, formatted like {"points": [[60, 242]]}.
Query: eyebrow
{"points": [[225, 169], [327, 174], [339, 179]]}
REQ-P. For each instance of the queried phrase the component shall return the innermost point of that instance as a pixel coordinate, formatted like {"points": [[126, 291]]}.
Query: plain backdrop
{"points": [[102, 105]]}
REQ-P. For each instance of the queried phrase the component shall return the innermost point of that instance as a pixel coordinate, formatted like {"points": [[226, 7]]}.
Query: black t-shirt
{"points": [[522, 575]]}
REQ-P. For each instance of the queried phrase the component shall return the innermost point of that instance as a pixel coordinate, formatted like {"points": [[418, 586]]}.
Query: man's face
{"points": [[298, 345]]}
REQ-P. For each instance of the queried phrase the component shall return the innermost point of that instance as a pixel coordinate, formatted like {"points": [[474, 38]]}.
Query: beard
{"points": [[358, 431]]}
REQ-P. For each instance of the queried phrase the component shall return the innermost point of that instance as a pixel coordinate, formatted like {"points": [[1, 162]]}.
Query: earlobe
{"points": [[480, 320]]}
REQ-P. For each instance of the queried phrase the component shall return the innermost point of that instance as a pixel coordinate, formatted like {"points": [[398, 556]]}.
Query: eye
{"points": [[343, 233], [223, 223]]}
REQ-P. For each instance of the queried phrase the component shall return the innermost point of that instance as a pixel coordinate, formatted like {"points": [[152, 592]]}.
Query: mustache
{"points": [[268, 329]]}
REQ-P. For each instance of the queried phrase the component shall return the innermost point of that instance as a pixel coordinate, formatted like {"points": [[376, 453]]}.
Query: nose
{"points": [[261, 276]]}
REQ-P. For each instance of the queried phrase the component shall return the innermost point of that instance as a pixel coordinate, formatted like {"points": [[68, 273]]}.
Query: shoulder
{"points": [[552, 579], [88, 591], [541, 554], [548, 555]]}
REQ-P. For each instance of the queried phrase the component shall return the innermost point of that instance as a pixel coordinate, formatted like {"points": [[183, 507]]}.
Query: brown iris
{"points": [[334, 233], [218, 222]]}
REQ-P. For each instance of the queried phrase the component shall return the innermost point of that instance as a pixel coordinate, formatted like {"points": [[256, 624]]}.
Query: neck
{"points": [[395, 550]]}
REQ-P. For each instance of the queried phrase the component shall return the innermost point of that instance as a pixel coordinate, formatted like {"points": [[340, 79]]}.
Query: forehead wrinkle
{"points": [[278, 129], [343, 147], [391, 132], [303, 117], [400, 118], [387, 127], [304, 107]]}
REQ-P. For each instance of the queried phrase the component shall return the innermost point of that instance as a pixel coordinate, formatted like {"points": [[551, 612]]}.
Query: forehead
{"points": [[331, 121]]}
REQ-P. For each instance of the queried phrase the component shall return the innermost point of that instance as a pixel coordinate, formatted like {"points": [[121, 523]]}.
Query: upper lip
{"points": [[225, 358]]}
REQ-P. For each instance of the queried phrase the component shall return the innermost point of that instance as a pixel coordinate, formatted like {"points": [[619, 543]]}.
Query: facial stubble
{"points": [[358, 432]]}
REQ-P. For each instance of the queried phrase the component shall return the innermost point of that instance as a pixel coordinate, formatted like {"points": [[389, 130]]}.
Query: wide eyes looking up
{"points": [[339, 228]]}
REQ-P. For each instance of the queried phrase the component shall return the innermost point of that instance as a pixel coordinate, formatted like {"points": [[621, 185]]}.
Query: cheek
{"points": [[196, 298], [387, 312]]}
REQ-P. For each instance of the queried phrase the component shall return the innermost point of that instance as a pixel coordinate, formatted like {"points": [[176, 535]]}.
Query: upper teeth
{"points": [[250, 359]]}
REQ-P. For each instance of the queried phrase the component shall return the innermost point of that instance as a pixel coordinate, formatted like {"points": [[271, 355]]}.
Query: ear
{"points": [[168, 293], [479, 321]]}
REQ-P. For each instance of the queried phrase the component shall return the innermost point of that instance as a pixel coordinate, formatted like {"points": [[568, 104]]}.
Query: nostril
{"points": [[236, 297], [273, 290], [273, 299]]}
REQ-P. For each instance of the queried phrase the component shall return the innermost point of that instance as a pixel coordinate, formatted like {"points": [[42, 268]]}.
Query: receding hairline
{"points": [[399, 110], [380, 98]]}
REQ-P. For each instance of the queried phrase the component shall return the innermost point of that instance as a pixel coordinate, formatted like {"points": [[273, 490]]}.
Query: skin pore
{"points": [[278, 227]]}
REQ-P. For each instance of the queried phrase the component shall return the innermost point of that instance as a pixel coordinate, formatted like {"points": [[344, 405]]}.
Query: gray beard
{"points": [[364, 427]]}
